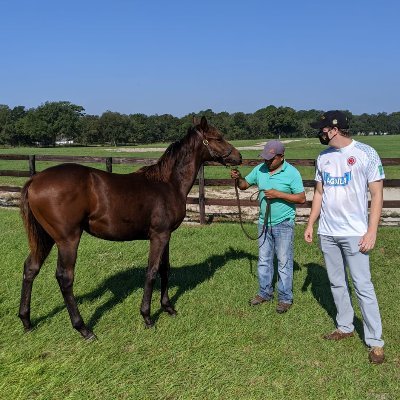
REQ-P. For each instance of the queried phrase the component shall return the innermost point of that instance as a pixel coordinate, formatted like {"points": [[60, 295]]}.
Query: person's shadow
{"points": [[317, 279], [123, 283]]}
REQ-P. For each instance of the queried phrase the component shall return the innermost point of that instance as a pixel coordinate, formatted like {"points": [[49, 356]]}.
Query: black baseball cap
{"points": [[334, 118]]}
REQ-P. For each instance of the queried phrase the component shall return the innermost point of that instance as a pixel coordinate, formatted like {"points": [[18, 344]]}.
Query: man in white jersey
{"points": [[345, 171]]}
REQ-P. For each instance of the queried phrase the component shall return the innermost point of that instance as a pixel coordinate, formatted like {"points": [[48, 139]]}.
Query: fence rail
{"points": [[201, 182]]}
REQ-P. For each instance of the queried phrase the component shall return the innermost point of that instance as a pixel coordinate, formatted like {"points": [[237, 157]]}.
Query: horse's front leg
{"points": [[158, 242], [164, 274]]}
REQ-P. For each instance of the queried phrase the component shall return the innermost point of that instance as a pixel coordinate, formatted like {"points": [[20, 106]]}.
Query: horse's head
{"points": [[217, 148]]}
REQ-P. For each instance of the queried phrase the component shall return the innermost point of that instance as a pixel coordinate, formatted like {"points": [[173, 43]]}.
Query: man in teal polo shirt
{"points": [[281, 185]]}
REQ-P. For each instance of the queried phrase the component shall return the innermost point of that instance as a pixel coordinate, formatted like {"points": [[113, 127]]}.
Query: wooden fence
{"points": [[201, 200]]}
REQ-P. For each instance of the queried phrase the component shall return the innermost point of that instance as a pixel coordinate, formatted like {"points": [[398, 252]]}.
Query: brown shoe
{"points": [[337, 334], [283, 307], [258, 300], [376, 355]]}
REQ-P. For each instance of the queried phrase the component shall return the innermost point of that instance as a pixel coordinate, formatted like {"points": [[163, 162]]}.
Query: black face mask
{"points": [[323, 137]]}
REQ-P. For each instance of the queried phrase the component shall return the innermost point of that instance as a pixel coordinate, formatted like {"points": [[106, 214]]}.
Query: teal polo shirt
{"points": [[287, 179]]}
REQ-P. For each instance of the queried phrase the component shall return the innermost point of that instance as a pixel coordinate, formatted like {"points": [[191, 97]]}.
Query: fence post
{"points": [[202, 204], [32, 165], [109, 164]]}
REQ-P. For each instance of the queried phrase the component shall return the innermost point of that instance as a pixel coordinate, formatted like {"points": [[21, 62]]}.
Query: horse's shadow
{"points": [[123, 283], [318, 281]]}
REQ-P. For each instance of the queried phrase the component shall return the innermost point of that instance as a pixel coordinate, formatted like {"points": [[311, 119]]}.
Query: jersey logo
{"points": [[337, 180], [351, 161]]}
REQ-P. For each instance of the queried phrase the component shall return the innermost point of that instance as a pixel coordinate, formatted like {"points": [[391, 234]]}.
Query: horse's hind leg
{"points": [[164, 274], [67, 253], [32, 267]]}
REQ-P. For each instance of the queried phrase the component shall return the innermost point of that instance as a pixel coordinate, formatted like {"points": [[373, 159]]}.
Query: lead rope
{"points": [[266, 216]]}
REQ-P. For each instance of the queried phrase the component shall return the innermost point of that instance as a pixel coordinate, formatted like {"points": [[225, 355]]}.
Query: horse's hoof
{"points": [[149, 325], [171, 311], [90, 337], [28, 327]]}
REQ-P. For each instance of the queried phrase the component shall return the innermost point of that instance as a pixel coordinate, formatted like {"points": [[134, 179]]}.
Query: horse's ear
{"points": [[195, 120], [204, 124]]}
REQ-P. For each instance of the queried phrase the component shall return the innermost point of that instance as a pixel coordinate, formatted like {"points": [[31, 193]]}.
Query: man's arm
{"points": [[367, 242], [297, 198], [315, 211]]}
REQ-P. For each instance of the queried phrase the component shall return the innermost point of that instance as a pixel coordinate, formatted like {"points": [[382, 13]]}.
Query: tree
{"points": [[394, 123], [224, 123], [240, 126], [113, 127], [304, 119], [51, 121], [259, 124], [282, 121], [4, 118], [89, 130], [137, 128], [9, 119]]}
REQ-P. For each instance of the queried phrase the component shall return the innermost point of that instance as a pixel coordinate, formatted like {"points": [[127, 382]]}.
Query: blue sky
{"points": [[177, 57]]}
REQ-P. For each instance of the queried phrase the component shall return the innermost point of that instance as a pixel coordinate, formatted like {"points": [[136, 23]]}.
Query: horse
{"points": [[61, 202]]}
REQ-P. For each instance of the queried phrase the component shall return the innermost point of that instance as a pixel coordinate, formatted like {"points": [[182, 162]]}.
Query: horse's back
{"points": [[61, 182]]}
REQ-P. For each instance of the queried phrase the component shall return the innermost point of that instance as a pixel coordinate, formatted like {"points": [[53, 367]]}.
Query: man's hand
{"points": [[235, 174], [308, 234], [273, 194], [367, 242], [241, 183]]}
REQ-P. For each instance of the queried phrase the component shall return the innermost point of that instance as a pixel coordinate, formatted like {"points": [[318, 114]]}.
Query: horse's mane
{"points": [[175, 153]]}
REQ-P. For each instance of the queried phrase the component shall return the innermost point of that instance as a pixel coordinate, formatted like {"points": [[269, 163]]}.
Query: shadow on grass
{"points": [[123, 283], [318, 281]]}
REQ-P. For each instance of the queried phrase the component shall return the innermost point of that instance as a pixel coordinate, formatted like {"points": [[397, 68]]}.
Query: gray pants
{"points": [[339, 251]]}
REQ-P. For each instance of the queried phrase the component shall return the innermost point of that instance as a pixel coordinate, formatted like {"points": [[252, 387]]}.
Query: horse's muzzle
{"points": [[235, 158]]}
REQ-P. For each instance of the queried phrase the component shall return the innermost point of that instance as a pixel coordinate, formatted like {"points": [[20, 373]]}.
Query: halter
{"points": [[213, 153]]}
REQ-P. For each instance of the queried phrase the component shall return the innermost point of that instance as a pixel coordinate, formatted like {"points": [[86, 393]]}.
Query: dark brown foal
{"points": [[61, 202]]}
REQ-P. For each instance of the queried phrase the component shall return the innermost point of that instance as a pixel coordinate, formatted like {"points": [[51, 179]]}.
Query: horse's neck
{"points": [[179, 165], [185, 172]]}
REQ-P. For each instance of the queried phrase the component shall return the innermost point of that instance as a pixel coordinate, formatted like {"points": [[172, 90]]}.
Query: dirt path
{"points": [[223, 213]]}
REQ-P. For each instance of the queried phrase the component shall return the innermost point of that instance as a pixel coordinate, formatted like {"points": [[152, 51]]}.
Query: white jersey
{"points": [[345, 174]]}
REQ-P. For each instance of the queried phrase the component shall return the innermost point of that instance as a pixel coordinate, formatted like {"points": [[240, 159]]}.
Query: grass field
{"points": [[216, 348]]}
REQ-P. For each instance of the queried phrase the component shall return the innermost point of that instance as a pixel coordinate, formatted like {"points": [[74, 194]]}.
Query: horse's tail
{"points": [[40, 242]]}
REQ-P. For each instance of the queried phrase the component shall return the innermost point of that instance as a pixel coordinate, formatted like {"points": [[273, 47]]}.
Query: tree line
{"points": [[54, 122]]}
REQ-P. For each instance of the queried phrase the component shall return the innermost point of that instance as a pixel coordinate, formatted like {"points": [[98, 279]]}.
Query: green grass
{"points": [[216, 348]]}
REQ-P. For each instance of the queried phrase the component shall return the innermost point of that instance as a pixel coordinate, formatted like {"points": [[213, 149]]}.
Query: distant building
{"points": [[63, 142]]}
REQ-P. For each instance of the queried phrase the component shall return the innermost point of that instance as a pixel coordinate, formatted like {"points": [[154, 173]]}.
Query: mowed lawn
{"points": [[217, 347]]}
